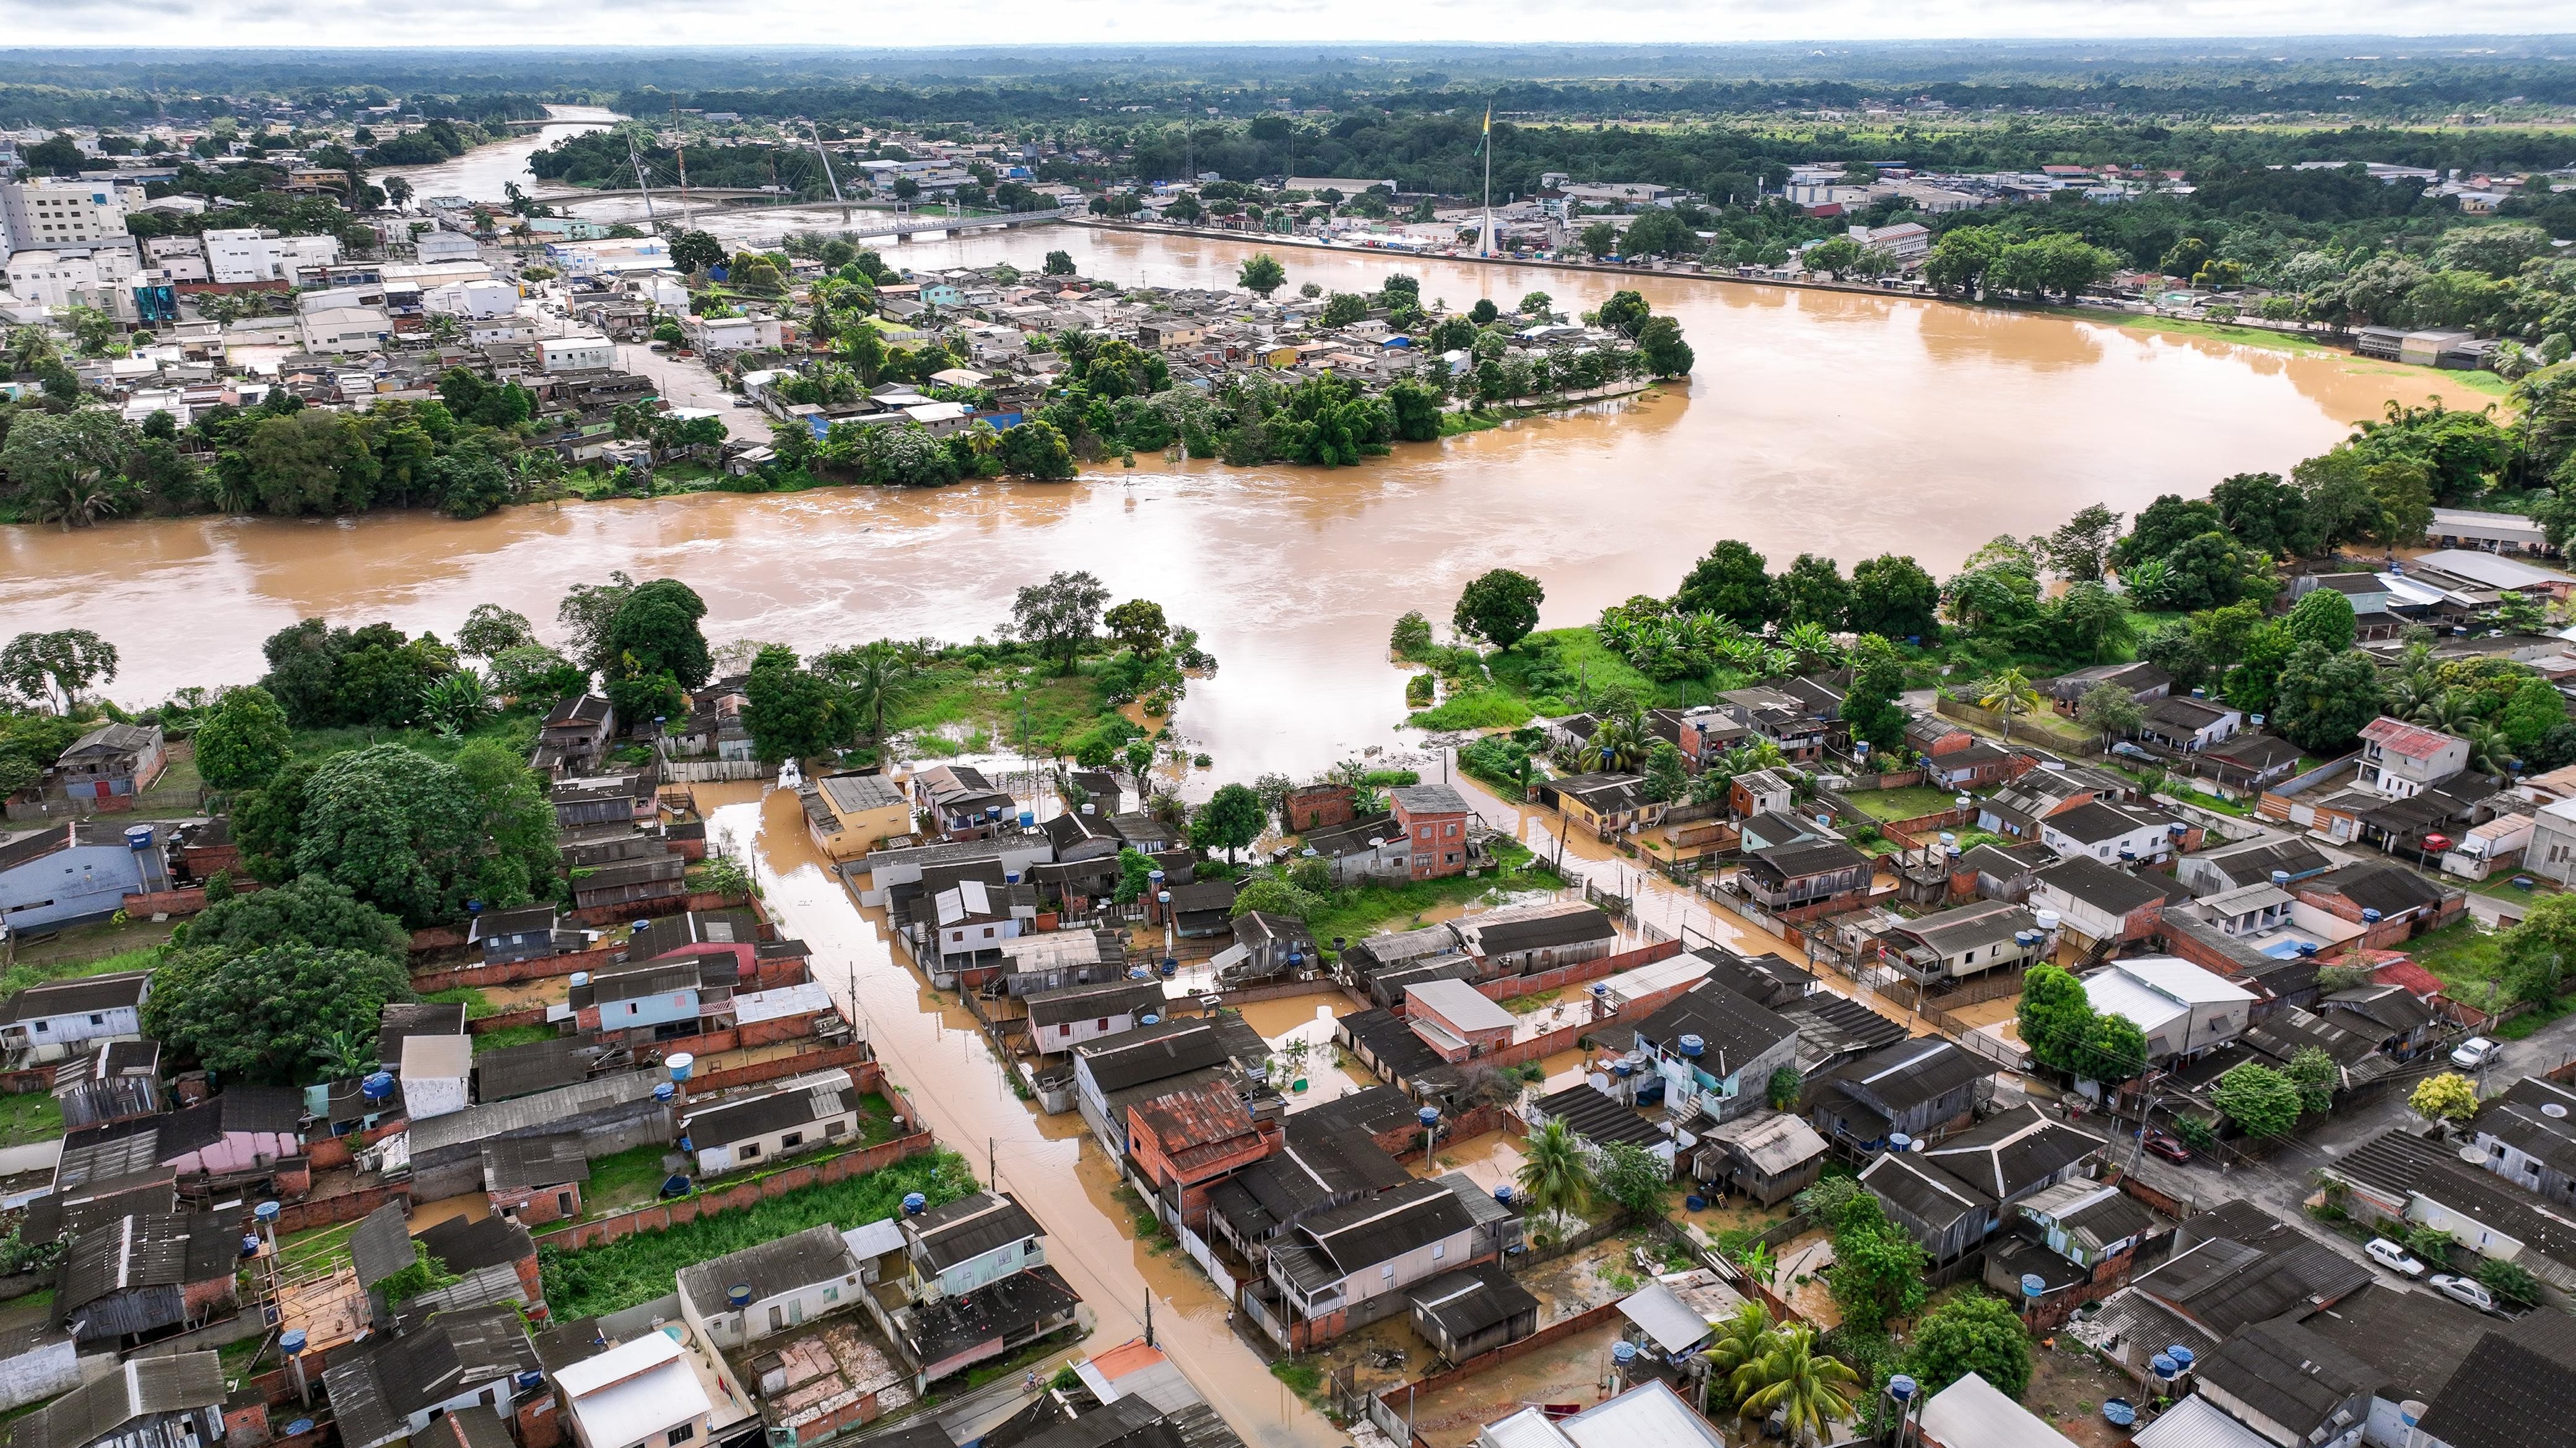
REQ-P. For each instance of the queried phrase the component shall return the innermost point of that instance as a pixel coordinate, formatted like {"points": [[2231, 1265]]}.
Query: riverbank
{"points": [[2296, 344]]}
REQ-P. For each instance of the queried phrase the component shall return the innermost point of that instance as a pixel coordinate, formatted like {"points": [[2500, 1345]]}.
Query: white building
{"points": [[434, 1072], [346, 329], [247, 254], [481, 298], [2402, 760], [594, 258], [437, 246], [49, 212], [93, 276], [576, 354], [638, 1394], [2182, 1008]]}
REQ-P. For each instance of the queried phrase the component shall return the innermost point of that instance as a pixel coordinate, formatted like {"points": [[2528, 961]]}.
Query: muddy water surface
{"points": [[1846, 425]]}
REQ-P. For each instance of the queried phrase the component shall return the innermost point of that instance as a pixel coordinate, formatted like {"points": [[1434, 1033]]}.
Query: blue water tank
{"points": [[1149, 1019], [1695, 1203], [680, 1064], [1623, 1353], [299, 1427], [1503, 1195], [138, 837], [1899, 1141], [665, 1092], [1428, 1115], [377, 1086], [2164, 1366], [738, 1296], [1691, 1047], [1171, 967], [914, 1203], [292, 1341], [1901, 1387], [1027, 819], [685, 1144], [531, 1378], [266, 1212], [2182, 1356], [2033, 1285], [1623, 1069]]}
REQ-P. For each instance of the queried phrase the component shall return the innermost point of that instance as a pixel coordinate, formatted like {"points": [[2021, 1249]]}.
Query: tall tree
{"points": [[2260, 1100], [1232, 818], [243, 740], [1729, 580], [655, 631], [1813, 590], [1060, 615], [1973, 1333], [1893, 597], [2324, 697], [790, 711], [1499, 606], [265, 1015], [59, 666], [2080, 549], [1874, 706], [1261, 274], [1554, 1177]]}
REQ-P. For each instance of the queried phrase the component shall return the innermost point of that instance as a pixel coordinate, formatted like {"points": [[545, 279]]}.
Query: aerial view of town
{"points": [[1808, 723]]}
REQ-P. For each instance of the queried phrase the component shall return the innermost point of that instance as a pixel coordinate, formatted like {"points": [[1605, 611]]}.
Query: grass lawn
{"points": [[631, 1270], [1365, 910], [515, 729], [2501, 887], [37, 971], [476, 1006], [963, 710], [1901, 804], [30, 1117], [507, 1036], [2466, 959], [629, 1178]]}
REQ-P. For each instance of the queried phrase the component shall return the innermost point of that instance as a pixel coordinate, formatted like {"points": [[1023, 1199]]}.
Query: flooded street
{"points": [[1816, 422], [931, 1048]]}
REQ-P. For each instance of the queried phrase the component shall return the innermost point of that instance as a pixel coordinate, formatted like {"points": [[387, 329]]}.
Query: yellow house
{"points": [[851, 814], [1279, 357]]}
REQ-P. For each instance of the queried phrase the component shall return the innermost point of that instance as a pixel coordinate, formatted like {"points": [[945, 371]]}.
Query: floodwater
{"points": [[1847, 425], [480, 174], [930, 1047]]}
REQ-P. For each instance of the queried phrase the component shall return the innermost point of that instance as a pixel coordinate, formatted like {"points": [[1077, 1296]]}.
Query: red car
{"points": [[2165, 1144]]}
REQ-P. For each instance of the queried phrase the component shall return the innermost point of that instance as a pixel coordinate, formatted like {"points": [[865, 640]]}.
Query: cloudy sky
{"points": [[135, 26]]}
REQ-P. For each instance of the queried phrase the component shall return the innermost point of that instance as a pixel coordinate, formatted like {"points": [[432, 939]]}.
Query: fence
{"points": [[1541, 981], [505, 972], [1205, 1256], [713, 771], [1382, 1407], [2035, 728], [1617, 907], [662, 1216]]}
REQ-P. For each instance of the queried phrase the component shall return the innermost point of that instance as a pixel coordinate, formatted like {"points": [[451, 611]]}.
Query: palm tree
{"points": [[2490, 749], [1618, 743], [1740, 1339], [1555, 1178], [876, 677], [1808, 1389], [981, 438], [2008, 693]]}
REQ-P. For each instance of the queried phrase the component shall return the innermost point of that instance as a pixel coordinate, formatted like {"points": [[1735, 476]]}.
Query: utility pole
{"points": [[681, 154], [636, 159], [992, 1167]]}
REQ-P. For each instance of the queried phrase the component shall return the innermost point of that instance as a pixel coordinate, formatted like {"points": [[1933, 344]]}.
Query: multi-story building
{"points": [[49, 212]]}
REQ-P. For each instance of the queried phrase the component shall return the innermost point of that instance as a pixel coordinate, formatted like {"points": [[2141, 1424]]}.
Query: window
{"points": [[777, 1318], [1066, 1029], [988, 932], [563, 1203], [1453, 831], [1386, 1272], [1439, 1250], [1101, 1024], [791, 1140], [750, 1151], [681, 1434], [835, 1128]]}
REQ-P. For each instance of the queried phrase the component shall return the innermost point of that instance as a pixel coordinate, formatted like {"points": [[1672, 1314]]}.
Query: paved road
{"points": [[2283, 1181], [683, 382]]}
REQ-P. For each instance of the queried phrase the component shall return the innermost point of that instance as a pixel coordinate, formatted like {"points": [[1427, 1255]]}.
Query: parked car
{"points": [[2393, 1257], [2165, 1144], [2462, 1290], [2475, 1053]]}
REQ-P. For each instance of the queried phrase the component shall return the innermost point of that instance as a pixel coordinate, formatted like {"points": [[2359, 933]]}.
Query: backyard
{"points": [[2469, 961], [1901, 804]]}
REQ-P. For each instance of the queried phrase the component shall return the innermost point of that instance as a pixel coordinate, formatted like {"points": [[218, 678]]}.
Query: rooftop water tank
{"points": [[2164, 1366], [1901, 1387], [2182, 1356], [2369, 917], [2280, 877], [1623, 1353], [1624, 1069], [1089, 809], [138, 837], [531, 1378], [1149, 1019], [580, 978], [665, 1092], [377, 1086], [2033, 1285], [1503, 1195], [1899, 1141], [738, 1296], [266, 1212], [291, 1341], [1949, 837], [1691, 1046], [1428, 1115], [914, 1203], [2047, 919], [681, 1063]]}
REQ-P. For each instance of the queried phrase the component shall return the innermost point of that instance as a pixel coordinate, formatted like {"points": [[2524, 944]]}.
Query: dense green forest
{"points": [[2414, 79]]}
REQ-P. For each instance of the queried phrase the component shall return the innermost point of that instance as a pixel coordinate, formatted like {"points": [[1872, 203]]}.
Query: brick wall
{"points": [[662, 1216], [479, 974], [865, 1072], [346, 1207], [1506, 987]]}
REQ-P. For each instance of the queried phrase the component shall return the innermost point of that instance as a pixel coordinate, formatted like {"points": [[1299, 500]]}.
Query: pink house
{"points": [[248, 1128]]}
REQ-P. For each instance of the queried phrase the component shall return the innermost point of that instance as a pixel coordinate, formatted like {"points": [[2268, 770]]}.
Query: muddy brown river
{"points": [[1846, 425]]}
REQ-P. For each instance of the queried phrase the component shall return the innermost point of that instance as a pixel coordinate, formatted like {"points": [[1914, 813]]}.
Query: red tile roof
{"points": [[2399, 737]]}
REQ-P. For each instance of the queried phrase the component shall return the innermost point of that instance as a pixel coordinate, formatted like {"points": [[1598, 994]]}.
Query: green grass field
{"points": [[1901, 804]]}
